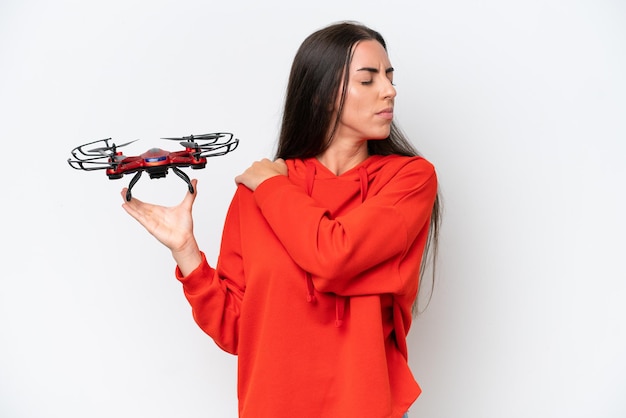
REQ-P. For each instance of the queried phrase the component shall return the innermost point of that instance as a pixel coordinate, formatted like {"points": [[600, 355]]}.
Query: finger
{"points": [[135, 208], [191, 197], [145, 213], [132, 211], [124, 193], [133, 201]]}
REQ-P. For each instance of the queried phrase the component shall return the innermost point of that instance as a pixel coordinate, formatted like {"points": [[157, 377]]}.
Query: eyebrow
{"points": [[375, 70]]}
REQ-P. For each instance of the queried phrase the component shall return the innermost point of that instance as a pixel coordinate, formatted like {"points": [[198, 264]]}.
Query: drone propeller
{"points": [[202, 137], [112, 147], [190, 141]]}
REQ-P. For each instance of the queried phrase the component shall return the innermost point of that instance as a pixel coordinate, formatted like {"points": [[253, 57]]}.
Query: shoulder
{"points": [[242, 195], [416, 167]]}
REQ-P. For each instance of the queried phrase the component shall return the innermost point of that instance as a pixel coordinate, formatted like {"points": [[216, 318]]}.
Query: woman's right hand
{"points": [[171, 226]]}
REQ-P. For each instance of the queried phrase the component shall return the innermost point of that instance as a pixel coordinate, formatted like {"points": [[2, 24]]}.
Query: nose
{"points": [[389, 91]]}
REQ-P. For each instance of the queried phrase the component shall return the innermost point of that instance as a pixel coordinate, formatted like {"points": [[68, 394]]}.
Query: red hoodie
{"points": [[314, 286]]}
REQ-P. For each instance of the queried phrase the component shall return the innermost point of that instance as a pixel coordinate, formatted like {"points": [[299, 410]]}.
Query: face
{"points": [[368, 108]]}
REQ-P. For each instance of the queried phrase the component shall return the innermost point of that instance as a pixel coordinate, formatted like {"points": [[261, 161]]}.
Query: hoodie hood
{"points": [[339, 192], [372, 165]]}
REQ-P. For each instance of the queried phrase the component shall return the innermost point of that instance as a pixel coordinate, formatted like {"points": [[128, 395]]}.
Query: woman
{"points": [[322, 248]]}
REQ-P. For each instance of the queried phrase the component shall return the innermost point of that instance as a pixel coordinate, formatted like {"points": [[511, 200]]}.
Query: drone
{"points": [[156, 162]]}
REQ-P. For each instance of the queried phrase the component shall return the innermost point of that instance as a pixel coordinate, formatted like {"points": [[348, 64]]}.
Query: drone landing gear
{"points": [[183, 176], [176, 170], [130, 186]]}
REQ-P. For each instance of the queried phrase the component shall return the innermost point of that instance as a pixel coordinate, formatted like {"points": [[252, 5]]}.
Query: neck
{"points": [[339, 159]]}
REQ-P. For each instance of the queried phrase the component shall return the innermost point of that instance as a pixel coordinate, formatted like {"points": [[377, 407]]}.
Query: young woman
{"points": [[322, 247]]}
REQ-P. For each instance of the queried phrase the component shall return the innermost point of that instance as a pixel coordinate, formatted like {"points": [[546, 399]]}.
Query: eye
{"points": [[367, 83]]}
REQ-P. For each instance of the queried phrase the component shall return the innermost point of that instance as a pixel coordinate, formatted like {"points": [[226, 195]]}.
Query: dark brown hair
{"points": [[308, 124]]}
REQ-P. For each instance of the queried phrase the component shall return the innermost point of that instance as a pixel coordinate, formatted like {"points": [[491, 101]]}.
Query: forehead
{"points": [[369, 53]]}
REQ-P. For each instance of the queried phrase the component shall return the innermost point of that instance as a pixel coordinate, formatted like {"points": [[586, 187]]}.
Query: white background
{"points": [[521, 105]]}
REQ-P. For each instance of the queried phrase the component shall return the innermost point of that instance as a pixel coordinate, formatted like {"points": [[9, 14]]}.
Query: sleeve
{"points": [[338, 251], [215, 295]]}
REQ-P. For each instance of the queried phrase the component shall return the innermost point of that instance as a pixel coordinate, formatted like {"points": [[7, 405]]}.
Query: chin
{"points": [[380, 136]]}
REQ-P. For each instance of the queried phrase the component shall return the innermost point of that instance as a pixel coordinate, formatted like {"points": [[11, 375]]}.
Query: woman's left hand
{"points": [[260, 171]]}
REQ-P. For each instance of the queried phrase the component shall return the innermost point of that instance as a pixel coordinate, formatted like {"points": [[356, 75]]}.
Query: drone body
{"points": [[156, 162]]}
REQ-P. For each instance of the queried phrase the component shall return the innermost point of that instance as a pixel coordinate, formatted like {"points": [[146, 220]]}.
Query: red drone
{"points": [[155, 161]]}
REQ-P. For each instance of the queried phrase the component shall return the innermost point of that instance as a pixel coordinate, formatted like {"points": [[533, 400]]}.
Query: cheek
{"points": [[354, 103]]}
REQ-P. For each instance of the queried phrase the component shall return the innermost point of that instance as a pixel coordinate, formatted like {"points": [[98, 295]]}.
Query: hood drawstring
{"points": [[310, 178], [364, 183], [340, 301]]}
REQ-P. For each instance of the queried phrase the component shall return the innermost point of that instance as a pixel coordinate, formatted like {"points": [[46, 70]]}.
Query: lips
{"points": [[386, 113]]}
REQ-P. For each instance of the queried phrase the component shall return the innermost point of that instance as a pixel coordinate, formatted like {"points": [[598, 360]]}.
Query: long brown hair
{"points": [[308, 125]]}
